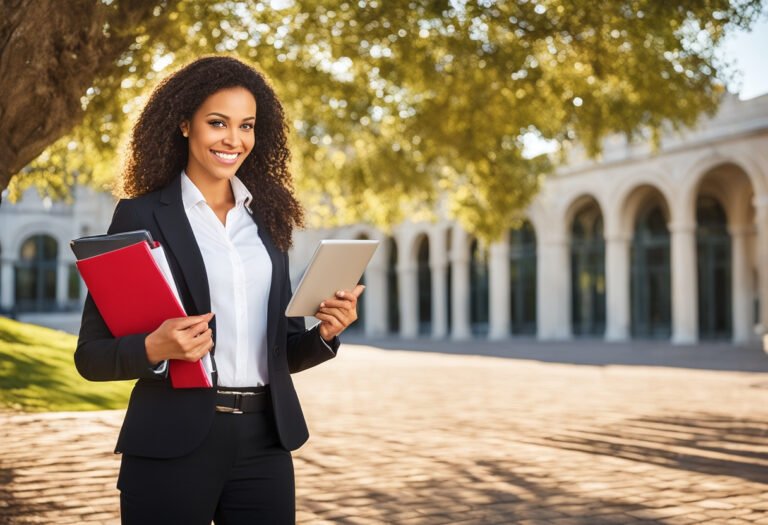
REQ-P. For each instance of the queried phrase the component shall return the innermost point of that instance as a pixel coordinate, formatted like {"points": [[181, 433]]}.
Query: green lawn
{"points": [[37, 373]]}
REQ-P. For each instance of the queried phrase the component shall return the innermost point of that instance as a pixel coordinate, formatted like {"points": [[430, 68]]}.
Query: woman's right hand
{"points": [[184, 338]]}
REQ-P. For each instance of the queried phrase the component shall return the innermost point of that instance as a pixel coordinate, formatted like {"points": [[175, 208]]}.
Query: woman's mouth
{"points": [[226, 158]]}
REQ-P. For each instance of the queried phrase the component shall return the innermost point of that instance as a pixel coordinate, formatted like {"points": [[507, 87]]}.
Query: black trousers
{"points": [[240, 474]]}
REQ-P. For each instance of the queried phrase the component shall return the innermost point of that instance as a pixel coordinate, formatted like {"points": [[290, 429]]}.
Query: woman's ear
{"points": [[184, 127]]}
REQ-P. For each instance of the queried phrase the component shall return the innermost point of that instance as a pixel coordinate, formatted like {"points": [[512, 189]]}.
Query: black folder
{"points": [[93, 245]]}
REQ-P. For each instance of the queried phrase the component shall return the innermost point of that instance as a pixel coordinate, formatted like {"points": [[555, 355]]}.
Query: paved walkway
{"points": [[427, 438]]}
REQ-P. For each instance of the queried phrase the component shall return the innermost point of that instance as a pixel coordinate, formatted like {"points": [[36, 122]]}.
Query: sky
{"points": [[748, 51]]}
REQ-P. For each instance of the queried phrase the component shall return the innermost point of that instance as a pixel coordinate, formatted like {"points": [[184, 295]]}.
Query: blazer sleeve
{"points": [[305, 348], [100, 356]]}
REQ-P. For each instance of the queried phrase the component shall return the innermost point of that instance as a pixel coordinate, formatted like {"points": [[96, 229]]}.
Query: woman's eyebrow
{"points": [[222, 115]]}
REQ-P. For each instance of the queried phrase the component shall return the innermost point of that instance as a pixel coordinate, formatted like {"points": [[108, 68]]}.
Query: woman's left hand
{"points": [[338, 312]]}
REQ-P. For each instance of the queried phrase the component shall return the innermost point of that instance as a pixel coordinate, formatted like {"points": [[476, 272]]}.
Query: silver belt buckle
{"points": [[228, 410], [238, 397]]}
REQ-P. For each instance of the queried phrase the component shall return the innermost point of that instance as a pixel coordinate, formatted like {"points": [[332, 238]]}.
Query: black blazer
{"points": [[163, 422]]}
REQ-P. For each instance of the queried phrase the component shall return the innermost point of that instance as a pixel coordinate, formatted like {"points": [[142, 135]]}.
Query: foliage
{"points": [[37, 373], [403, 105]]}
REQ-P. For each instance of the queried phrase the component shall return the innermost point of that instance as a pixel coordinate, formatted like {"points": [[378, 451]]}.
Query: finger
{"points": [[337, 303], [182, 323], [199, 349], [347, 296], [329, 320], [339, 313], [196, 330], [343, 317], [191, 337], [358, 291]]}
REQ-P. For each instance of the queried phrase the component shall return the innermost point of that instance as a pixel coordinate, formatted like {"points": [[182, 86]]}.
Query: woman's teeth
{"points": [[226, 156]]}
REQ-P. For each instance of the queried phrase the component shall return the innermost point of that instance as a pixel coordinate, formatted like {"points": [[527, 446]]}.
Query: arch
{"points": [[522, 277], [410, 243], [35, 274], [576, 205], [725, 215], [709, 162], [629, 197], [587, 252], [58, 230]]}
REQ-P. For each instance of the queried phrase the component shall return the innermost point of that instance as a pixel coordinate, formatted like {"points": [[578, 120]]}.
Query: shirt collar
{"points": [[191, 195]]}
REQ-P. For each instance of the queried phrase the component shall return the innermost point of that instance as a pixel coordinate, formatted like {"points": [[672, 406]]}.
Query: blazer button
{"points": [[276, 350]]}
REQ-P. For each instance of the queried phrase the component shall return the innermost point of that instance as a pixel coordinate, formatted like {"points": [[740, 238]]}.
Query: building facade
{"points": [[641, 244]]}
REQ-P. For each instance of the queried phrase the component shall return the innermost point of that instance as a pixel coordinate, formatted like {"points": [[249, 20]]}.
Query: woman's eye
{"points": [[216, 123], [247, 126]]}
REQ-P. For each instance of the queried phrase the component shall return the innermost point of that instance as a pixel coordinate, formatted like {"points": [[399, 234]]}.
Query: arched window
{"points": [[713, 245], [35, 275], [478, 288], [651, 298], [522, 279], [588, 272]]}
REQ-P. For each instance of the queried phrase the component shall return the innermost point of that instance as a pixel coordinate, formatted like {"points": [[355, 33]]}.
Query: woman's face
{"points": [[221, 134]]}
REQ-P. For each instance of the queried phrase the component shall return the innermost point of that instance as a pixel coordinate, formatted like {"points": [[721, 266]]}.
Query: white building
{"points": [[640, 244]]}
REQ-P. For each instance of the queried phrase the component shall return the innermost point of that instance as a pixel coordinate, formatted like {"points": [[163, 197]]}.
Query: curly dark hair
{"points": [[157, 151]]}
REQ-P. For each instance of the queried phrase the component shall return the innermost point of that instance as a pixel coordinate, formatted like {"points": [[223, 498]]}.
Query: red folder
{"points": [[133, 297]]}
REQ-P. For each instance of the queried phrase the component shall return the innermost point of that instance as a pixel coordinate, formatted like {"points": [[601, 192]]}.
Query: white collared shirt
{"points": [[239, 276]]}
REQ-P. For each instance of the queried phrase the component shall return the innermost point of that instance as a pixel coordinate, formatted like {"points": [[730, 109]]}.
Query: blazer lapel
{"points": [[173, 223], [276, 257]]}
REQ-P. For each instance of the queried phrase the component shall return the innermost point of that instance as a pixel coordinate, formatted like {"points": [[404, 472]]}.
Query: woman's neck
{"points": [[217, 192]]}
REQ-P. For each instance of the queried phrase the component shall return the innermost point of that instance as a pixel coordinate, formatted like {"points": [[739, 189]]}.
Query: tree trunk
{"points": [[49, 57]]}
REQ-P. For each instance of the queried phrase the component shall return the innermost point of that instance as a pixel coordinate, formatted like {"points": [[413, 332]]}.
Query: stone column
{"points": [[617, 262], [761, 205], [62, 281], [460, 288], [408, 288], [438, 264], [6, 283], [685, 301], [742, 287], [553, 285], [375, 295], [499, 293]]}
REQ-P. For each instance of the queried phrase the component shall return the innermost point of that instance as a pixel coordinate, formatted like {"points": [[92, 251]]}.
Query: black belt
{"points": [[242, 400]]}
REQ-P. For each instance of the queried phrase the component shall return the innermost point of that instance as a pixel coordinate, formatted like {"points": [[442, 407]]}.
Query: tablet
{"points": [[336, 265]]}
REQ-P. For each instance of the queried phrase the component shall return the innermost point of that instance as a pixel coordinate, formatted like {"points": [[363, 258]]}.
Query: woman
{"points": [[208, 176]]}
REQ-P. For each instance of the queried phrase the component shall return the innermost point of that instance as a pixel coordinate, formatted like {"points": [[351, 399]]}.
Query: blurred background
{"points": [[534, 168]]}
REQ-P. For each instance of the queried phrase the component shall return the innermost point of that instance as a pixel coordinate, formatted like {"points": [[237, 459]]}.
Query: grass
{"points": [[37, 373]]}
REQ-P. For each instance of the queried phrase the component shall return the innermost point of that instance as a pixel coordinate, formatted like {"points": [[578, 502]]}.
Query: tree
{"points": [[403, 106]]}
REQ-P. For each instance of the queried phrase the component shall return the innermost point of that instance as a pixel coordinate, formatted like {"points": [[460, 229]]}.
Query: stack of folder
{"points": [[129, 279]]}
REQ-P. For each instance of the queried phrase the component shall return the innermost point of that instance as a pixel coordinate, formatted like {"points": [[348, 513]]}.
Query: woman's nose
{"points": [[232, 138]]}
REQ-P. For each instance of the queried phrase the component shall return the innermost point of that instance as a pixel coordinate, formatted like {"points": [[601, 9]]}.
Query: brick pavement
{"points": [[425, 438]]}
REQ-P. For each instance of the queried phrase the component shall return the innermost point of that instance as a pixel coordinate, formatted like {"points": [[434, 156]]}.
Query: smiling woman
{"points": [[208, 177], [220, 137]]}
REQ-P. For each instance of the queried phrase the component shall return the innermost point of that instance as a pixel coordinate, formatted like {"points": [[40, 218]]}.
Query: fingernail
{"points": [[322, 305], [340, 293]]}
